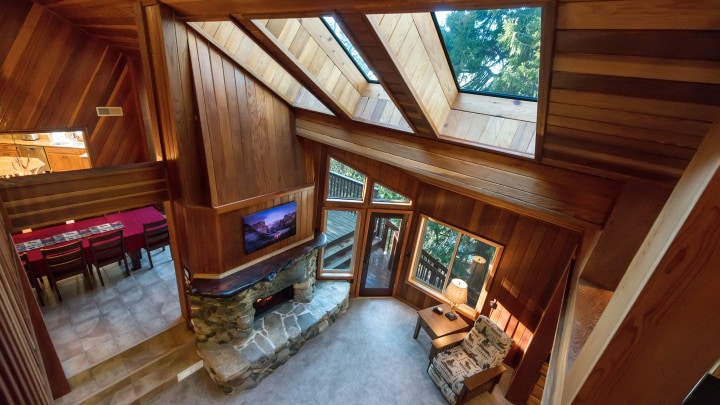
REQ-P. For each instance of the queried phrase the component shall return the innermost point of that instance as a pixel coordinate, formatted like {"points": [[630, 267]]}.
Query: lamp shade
{"points": [[456, 291]]}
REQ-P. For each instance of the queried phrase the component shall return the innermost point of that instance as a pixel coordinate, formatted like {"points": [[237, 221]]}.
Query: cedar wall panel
{"points": [[250, 148], [53, 76], [216, 243], [635, 86]]}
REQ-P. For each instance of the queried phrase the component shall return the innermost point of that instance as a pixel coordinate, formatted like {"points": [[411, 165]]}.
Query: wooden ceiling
{"points": [[631, 87]]}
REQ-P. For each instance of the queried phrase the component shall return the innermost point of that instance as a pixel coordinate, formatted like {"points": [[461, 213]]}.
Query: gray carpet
{"points": [[367, 357]]}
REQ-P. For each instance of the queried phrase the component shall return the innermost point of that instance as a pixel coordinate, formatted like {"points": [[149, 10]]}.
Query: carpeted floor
{"points": [[367, 357]]}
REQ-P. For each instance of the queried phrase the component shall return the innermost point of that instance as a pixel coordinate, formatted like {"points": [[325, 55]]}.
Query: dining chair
{"points": [[156, 237], [107, 249], [66, 261], [31, 277]]}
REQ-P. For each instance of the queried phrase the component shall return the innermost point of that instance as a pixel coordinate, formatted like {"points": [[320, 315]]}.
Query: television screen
{"points": [[269, 226]]}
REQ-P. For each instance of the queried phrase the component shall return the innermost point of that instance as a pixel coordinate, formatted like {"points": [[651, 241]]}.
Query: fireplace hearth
{"points": [[248, 325]]}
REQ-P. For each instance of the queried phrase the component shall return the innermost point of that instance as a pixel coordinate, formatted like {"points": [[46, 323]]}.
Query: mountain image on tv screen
{"points": [[269, 226]]}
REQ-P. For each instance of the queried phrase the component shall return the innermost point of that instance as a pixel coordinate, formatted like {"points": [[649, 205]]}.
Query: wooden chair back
{"points": [[156, 236], [65, 261], [106, 249]]}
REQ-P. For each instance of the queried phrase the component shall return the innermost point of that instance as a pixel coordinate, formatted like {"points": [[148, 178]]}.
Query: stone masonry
{"points": [[274, 338]]}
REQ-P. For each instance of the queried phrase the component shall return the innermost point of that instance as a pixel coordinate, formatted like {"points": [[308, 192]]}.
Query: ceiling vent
{"points": [[109, 111]]}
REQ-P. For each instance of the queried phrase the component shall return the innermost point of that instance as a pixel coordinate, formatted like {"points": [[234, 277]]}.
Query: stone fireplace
{"points": [[239, 350]]}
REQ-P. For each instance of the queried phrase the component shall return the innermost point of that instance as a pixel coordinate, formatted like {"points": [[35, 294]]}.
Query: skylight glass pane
{"points": [[338, 33], [493, 51]]}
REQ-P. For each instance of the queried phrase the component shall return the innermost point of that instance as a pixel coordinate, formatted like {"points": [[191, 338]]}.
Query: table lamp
{"points": [[456, 293]]}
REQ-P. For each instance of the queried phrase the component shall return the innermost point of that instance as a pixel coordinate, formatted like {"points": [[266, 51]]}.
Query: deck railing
{"points": [[431, 271], [344, 188]]}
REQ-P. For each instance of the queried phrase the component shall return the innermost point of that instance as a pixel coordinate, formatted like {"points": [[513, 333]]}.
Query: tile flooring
{"points": [[89, 326]]}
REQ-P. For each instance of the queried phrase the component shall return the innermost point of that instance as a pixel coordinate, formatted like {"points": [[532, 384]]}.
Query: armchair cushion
{"points": [[455, 370], [453, 366], [487, 343]]}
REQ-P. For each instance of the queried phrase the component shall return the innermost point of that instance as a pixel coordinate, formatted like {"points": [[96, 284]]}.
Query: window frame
{"points": [[439, 295]]}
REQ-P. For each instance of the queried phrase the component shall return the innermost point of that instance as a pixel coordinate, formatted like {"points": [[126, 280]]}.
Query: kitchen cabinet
{"points": [[7, 150], [63, 159]]}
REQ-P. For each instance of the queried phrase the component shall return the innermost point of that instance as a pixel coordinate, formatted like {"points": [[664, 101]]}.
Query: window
{"points": [[341, 230], [344, 182], [495, 52], [444, 253], [383, 195], [340, 36]]}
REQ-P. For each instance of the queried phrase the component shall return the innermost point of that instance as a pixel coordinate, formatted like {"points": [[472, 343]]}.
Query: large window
{"points": [[494, 52], [444, 252]]}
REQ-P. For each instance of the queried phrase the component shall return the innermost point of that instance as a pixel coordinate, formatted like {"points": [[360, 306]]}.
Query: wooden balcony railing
{"points": [[431, 271], [344, 188]]}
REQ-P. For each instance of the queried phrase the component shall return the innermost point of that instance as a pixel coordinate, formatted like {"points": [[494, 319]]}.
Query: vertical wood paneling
{"points": [[249, 146], [55, 75], [23, 380]]}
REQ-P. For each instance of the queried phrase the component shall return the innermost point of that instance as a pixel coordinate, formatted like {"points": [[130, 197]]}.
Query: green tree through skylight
{"points": [[494, 51]]}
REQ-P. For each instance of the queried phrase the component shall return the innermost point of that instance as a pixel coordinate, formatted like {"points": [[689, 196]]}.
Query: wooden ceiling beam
{"points": [[365, 34], [254, 9], [273, 48], [559, 196]]}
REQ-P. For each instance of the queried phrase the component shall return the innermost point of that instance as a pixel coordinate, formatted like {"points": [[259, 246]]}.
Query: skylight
{"points": [[340, 36], [494, 52]]}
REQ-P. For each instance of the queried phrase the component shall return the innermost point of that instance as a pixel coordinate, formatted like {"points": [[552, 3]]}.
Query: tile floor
{"points": [[89, 326]]}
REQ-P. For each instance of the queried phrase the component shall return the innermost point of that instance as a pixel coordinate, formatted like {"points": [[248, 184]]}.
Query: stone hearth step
{"points": [[139, 373], [275, 337]]}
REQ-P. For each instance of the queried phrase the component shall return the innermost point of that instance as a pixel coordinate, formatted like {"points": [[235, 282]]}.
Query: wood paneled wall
{"points": [[634, 86], [250, 147], [53, 77], [237, 129], [534, 258], [23, 376], [215, 244]]}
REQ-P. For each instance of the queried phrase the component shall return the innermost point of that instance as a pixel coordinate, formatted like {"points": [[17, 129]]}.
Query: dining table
{"points": [[132, 225]]}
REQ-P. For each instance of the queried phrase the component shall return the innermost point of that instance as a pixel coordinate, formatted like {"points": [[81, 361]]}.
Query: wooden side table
{"points": [[437, 325]]}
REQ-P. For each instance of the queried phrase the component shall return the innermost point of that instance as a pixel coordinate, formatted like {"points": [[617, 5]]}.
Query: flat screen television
{"points": [[266, 227]]}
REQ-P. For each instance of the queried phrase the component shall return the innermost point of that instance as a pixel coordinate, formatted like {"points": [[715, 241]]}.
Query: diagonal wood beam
{"points": [[272, 46], [365, 34]]}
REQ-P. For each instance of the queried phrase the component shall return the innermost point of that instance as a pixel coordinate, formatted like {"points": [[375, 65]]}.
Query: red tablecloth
{"points": [[132, 232]]}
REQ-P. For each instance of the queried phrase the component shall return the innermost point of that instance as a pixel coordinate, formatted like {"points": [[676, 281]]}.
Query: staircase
{"points": [[139, 373], [537, 392]]}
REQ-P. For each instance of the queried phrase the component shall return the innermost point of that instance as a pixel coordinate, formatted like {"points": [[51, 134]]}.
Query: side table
{"points": [[437, 325]]}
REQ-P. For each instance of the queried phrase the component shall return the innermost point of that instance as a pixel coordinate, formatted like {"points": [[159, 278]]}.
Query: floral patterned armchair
{"points": [[465, 365]]}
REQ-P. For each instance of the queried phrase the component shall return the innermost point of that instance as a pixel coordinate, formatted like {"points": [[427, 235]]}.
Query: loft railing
{"points": [[344, 188]]}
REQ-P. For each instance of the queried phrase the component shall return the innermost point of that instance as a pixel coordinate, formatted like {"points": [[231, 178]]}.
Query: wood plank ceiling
{"points": [[631, 89]]}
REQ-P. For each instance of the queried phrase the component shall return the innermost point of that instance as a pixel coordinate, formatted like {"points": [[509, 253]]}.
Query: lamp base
{"points": [[451, 315]]}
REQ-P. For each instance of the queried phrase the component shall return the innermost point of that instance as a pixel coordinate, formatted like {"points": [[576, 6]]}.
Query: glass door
{"points": [[382, 253]]}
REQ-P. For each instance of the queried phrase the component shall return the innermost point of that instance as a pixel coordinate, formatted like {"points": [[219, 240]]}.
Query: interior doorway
{"points": [[382, 253]]}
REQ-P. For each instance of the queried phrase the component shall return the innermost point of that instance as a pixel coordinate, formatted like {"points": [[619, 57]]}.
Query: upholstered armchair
{"points": [[465, 365]]}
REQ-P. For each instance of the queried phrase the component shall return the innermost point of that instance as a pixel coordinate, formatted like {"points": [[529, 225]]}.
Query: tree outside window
{"points": [[493, 51]]}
